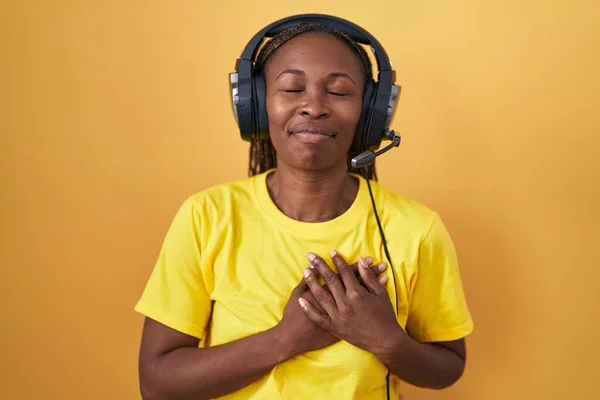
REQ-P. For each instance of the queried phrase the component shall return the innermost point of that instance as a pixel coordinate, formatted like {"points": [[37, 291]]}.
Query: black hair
{"points": [[262, 153]]}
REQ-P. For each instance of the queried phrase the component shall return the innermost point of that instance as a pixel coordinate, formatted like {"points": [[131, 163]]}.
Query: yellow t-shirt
{"points": [[231, 245]]}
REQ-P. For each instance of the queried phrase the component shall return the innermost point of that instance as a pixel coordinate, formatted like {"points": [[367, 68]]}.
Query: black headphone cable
{"points": [[389, 259]]}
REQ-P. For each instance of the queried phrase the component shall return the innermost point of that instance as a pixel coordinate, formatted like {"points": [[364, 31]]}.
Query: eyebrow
{"points": [[302, 73]]}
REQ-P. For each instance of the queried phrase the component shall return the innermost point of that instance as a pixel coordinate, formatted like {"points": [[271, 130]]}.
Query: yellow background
{"points": [[113, 112]]}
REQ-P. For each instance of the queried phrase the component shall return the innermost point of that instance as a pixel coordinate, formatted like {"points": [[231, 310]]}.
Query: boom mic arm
{"points": [[368, 157]]}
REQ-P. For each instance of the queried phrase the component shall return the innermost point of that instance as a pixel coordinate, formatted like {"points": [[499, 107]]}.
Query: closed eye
{"points": [[338, 94]]}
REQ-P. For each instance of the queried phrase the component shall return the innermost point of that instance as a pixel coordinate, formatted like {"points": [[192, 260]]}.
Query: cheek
{"points": [[350, 114], [277, 112]]}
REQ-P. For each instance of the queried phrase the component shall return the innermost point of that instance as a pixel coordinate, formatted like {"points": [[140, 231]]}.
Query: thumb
{"points": [[369, 276]]}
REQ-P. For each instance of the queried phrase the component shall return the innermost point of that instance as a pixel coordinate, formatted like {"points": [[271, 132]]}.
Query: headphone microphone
{"points": [[367, 158]]}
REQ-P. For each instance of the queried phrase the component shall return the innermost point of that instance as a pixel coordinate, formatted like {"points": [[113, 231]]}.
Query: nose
{"points": [[314, 105]]}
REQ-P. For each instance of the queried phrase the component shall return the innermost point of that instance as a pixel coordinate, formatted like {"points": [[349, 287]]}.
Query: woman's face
{"points": [[314, 100]]}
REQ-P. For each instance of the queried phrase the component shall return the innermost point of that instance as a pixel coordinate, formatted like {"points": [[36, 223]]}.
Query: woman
{"points": [[256, 271]]}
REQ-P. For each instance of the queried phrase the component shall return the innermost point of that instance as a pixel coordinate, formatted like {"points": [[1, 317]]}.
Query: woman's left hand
{"points": [[360, 315]]}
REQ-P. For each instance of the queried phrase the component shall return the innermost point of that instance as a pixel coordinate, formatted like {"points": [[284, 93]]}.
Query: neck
{"points": [[312, 196]]}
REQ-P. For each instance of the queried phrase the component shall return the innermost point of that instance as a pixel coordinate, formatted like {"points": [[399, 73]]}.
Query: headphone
{"points": [[248, 92]]}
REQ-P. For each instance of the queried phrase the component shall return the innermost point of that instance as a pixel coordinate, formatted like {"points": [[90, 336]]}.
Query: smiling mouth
{"points": [[311, 130], [312, 136]]}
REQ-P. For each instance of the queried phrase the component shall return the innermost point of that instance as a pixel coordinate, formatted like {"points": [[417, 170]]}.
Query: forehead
{"points": [[314, 51]]}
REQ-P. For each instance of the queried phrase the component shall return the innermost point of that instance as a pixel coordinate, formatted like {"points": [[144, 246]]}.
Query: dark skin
{"points": [[314, 100]]}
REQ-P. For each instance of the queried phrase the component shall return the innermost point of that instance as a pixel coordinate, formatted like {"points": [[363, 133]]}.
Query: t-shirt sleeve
{"points": [[176, 293], [438, 309]]}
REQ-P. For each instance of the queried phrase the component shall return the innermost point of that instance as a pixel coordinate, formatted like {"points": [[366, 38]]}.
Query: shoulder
{"points": [[215, 209], [223, 195]]}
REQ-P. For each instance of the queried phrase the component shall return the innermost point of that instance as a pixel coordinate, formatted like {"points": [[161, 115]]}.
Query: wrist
{"points": [[282, 343], [394, 342]]}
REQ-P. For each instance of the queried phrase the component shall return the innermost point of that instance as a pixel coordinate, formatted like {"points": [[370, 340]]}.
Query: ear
{"points": [[260, 116], [367, 111]]}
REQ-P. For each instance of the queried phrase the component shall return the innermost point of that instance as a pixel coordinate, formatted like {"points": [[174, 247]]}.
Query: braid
{"points": [[262, 153]]}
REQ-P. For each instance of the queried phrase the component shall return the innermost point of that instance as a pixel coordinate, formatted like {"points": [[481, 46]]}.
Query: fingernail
{"points": [[383, 279], [333, 253], [306, 272], [382, 266], [302, 302], [369, 260], [311, 257]]}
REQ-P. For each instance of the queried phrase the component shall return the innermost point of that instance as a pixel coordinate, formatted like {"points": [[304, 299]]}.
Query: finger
{"points": [[321, 294], [318, 318], [370, 277], [354, 266], [346, 273], [313, 302], [332, 280], [380, 267]]}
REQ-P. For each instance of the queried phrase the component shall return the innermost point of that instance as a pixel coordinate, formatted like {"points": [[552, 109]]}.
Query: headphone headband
{"points": [[351, 29]]}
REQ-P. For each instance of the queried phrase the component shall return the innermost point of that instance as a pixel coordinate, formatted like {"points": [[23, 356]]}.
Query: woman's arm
{"points": [[438, 317], [426, 365], [171, 365]]}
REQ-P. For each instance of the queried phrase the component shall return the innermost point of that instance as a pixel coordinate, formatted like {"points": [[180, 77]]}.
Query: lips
{"points": [[312, 129]]}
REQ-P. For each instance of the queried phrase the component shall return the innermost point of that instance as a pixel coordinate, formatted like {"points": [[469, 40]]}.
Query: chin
{"points": [[313, 161]]}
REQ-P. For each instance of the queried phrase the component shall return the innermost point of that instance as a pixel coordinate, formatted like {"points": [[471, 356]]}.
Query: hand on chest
{"points": [[253, 281]]}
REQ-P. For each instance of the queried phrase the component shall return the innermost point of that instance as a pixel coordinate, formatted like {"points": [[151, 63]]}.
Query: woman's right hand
{"points": [[296, 332]]}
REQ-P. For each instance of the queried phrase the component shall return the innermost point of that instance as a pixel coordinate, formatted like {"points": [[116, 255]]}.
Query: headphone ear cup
{"points": [[362, 128], [260, 116]]}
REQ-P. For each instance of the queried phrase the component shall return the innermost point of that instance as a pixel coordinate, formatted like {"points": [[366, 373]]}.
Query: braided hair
{"points": [[262, 153]]}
